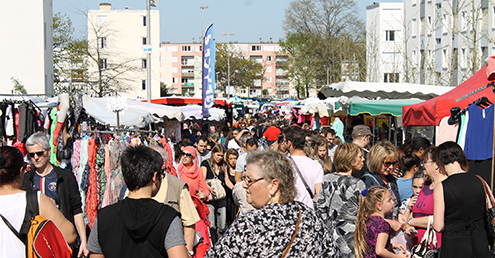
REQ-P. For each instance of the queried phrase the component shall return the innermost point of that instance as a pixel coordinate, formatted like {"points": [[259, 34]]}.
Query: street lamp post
{"points": [[228, 58], [148, 58], [328, 67], [202, 20]]}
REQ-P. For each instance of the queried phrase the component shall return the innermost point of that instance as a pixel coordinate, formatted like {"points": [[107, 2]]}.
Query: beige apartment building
{"points": [[116, 38], [181, 68]]}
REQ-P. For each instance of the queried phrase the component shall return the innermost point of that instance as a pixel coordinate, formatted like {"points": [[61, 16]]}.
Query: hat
{"points": [[361, 130]]}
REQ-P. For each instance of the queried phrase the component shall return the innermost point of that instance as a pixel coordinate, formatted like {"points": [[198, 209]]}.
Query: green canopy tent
{"points": [[393, 108], [380, 107]]}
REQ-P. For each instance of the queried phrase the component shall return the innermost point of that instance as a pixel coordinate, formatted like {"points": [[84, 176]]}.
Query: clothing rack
{"points": [[119, 130], [492, 84]]}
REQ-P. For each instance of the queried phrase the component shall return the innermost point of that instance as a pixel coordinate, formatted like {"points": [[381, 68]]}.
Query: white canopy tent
{"points": [[196, 112], [97, 108], [158, 110], [374, 90]]}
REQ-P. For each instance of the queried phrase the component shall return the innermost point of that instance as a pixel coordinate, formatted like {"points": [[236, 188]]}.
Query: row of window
{"points": [[101, 21]]}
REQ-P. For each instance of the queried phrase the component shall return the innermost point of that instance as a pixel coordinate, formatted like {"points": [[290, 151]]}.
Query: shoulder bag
{"points": [[423, 249], [490, 209], [218, 191]]}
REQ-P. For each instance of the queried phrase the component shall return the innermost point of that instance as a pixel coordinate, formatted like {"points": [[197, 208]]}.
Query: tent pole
{"points": [[493, 144]]}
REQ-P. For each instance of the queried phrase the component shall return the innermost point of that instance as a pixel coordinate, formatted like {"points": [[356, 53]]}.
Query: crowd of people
{"points": [[260, 188]]}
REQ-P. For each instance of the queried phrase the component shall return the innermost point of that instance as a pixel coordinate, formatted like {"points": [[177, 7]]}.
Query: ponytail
{"points": [[360, 244], [367, 206]]}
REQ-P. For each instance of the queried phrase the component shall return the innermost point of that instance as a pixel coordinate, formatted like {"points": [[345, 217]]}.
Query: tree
{"points": [[68, 55], [322, 32], [18, 87], [243, 71], [109, 68]]}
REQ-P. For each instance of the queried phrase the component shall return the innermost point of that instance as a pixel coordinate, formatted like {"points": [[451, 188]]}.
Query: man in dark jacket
{"points": [[138, 226], [58, 184]]}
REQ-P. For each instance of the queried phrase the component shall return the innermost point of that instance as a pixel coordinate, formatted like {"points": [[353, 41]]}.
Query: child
{"points": [[373, 233], [418, 181]]}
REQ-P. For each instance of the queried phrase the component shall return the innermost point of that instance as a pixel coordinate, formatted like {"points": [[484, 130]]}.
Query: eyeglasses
{"points": [[424, 162], [38, 153], [250, 182], [188, 154], [388, 164]]}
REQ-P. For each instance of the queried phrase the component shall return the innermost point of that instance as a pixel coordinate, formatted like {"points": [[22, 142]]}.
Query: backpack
{"points": [[41, 236]]}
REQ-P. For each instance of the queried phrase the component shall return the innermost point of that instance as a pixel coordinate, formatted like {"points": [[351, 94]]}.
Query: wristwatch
{"points": [[191, 253], [409, 221]]}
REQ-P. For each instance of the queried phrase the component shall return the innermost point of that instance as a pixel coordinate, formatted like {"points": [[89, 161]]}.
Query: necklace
{"points": [[7, 187]]}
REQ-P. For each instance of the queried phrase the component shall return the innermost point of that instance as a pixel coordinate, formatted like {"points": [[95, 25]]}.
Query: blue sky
{"points": [[180, 20]]}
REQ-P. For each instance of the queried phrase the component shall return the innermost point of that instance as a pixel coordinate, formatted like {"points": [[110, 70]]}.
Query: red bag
{"points": [[46, 240]]}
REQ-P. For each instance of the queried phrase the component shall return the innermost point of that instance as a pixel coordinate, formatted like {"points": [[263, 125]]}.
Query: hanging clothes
{"points": [[479, 134], [338, 126], [461, 138], [92, 193], [446, 132], [170, 164]]}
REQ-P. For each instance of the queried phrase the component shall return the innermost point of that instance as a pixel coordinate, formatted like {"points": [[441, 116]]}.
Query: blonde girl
{"points": [[372, 235]]}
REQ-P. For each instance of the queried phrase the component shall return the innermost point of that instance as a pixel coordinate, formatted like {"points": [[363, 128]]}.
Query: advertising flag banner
{"points": [[208, 79]]}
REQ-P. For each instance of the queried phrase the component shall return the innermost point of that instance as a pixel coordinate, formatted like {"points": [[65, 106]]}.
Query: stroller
{"points": [[202, 241]]}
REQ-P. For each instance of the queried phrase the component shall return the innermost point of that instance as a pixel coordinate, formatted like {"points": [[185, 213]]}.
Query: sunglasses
{"points": [[39, 154], [188, 154], [388, 164]]}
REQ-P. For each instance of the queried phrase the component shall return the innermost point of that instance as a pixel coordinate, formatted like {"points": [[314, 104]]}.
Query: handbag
{"points": [[217, 185], [490, 209], [423, 249]]}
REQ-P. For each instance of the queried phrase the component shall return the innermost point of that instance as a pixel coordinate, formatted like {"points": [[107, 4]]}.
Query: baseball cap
{"points": [[361, 130]]}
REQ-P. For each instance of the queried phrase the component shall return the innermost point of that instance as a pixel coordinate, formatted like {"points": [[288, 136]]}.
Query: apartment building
{"points": [[448, 41], [116, 39], [27, 46], [181, 68], [385, 42]]}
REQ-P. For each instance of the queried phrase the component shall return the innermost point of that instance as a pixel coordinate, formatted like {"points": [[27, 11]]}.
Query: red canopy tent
{"points": [[432, 111], [182, 101]]}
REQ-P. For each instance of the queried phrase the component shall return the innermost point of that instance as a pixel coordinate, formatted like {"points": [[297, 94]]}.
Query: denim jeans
{"points": [[217, 217]]}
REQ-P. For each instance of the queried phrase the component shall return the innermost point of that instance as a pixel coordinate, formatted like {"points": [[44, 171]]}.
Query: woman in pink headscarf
{"points": [[192, 175]]}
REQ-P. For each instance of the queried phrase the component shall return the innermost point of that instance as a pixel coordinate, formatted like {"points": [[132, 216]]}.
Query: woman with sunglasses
{"points": [[279, 226], [192, 175], [13, 205], [381, 162]]}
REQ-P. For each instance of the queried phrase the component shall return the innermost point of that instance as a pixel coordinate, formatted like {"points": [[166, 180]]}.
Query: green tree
{"points": [[18, 87], [322, 32], [68, 55], [243, 71]]}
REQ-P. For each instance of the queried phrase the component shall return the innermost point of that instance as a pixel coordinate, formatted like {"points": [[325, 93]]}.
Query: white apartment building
{"points": [[118, 37], [26, 46], [448, 41], [181, 68], [385, 53]]}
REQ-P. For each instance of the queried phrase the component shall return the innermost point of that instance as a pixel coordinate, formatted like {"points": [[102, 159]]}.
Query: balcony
{"points": [[281, 63], [187, 74], [185, 63], [283, 84], [281, 73], [188, 85]]}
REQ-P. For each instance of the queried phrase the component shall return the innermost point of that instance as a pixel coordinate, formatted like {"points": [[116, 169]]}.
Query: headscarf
{"points": [[194, 170]]}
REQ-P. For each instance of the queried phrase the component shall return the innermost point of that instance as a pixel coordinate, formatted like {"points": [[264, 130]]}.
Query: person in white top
{"points": [[310, 169]]}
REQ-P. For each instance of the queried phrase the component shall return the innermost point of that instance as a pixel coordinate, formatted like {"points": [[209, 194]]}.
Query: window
{"points": [[463, 58], [144, 63], [255, 48], [414, 2], [269, 79], [143, 18], [414, 27], [463, 21], [445, 23], [390, 77], [103, 64], [438, 40], [444, 58], [414, 57], [101, 21], [268, 69], [268, 58], [174, 80], [143, 84], [186, 48], [102, 42], [389, 35], [144, 40]]}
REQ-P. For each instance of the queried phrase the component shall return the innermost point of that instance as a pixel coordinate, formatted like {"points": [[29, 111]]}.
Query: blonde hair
{"points": [[326, 162], [378, 153], [367, 206], [345, 155]]}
